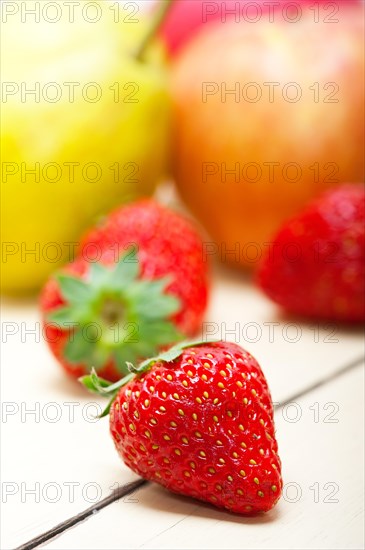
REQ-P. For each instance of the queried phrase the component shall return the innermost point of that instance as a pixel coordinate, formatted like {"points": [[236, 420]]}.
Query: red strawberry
{"points": [[199, 420], [316, 264], [148, 290]]}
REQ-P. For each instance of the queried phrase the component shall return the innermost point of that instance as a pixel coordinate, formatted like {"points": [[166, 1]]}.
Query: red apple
{"points": [[186, 17], [266, 116]]}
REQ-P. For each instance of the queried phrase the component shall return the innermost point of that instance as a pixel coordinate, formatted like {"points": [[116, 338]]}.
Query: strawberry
{"points": [[148, 290], [315, 266], [198, 419]]}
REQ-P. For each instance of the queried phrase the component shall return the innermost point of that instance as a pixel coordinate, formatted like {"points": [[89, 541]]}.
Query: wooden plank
{"points": [[58, 451], [56, 455], [322, 506], [293, 354]]}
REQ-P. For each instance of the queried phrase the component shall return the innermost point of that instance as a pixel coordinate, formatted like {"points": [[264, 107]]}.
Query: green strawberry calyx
{"points": [[113, 314], [103, 387]]}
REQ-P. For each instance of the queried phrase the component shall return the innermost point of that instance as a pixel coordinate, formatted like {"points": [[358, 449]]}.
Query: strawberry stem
{"points": [[132, 317], [98, 385], [102, 387], [164, 7]]}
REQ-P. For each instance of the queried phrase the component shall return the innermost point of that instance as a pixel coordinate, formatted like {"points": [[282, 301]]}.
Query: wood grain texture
{"points": [[321, 506], [71, 462]]}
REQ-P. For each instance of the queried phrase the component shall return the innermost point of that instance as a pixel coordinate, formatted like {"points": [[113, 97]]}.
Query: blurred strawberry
{"points": [[148, 290], [315, 266]]}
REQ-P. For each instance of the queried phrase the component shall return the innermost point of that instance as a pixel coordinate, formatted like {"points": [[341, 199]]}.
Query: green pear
{"points": [[85, 127]]}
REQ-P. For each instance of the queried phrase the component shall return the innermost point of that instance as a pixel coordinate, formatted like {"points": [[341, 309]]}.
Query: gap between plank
{"points": [[61, 527], [131, 487], [320, 383]]}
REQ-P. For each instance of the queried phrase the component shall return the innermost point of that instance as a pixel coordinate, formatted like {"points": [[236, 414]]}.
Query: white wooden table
{"points": [[57, 462]]}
